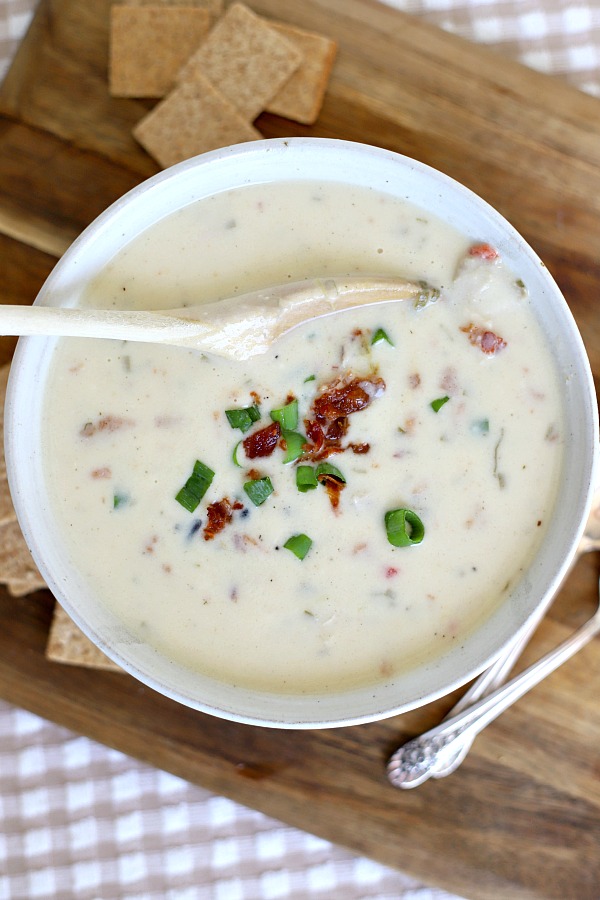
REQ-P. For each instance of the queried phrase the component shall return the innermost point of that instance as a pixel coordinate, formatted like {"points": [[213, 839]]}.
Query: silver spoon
{"points": [[438, 752], [238, 327]]}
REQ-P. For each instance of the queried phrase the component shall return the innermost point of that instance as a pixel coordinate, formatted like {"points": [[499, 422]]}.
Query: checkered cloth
{"points": [[81, 820]]}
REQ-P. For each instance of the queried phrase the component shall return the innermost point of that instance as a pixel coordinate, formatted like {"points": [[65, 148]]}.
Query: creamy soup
{"points": [[341, 508]]}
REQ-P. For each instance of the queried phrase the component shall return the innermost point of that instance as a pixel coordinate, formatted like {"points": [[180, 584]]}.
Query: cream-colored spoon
{"points": [[238, 327]]}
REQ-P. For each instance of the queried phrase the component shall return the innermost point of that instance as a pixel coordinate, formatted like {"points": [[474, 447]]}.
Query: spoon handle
{"points": [[498, 672], [412, 763], [101, 323]]}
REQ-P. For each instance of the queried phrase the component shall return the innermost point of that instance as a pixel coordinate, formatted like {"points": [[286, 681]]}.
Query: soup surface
{"points": [[449, 410]]}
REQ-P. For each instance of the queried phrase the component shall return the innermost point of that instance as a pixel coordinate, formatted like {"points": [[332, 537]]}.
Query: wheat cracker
{"points": [[149, 44], [301, 97], [193, 119], [68, 644], [246, 59], [213, 7]]}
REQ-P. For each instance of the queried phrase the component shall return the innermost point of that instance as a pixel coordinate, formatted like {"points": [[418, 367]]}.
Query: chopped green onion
{"points": [[328, 469], [306, 478], [482, 426], [287, 415], [234, 455], [381, 335], [294, 445], [310, 378], [403, 527], [120, 500], [436, 405], [243, 418], [259, 489], [299, 544], [195, 487]]}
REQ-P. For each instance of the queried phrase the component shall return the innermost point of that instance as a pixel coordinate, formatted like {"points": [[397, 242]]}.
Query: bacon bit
{"points": [[346, 399], [331, 410], [487, 341], [449, 380], [484, 251], [256, 398], [105, 423], [242, 542], [414, 380], [338, 429], [220, 514], [104, 472], [359, 548], [149, 548], [263, 442], [334, 488], [391, 572], [315, 433], [359, 448], [254, 474]]}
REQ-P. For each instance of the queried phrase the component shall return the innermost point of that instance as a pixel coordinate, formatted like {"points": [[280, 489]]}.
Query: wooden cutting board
{"points": [[521, 818]]}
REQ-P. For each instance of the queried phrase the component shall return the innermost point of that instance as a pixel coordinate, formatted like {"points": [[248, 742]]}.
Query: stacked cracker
{"points": [[215, 72]]}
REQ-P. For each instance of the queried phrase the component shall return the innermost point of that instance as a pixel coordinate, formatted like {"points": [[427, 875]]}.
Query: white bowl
{"points": [[282, 160]]}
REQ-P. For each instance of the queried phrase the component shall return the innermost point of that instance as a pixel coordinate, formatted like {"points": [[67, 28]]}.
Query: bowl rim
{"points": [[264, 156]]}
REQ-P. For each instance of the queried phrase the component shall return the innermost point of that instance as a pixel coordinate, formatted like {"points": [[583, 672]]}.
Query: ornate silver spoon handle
{"points": [[453, 755], [411, 764]]}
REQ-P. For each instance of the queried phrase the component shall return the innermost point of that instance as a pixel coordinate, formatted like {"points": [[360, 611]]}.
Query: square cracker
{"points": [[245, 58], [193, 119], [149, 44], [68, 644], [301, 97], [214, 7], [17, 568]]}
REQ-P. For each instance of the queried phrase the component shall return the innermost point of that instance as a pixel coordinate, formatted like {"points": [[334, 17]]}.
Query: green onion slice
{"points": [[299, 544], [120, 500], [306, 478], [310, 378], [294, 445], [235, 452], [328, 469], [403, 527], [381, 335], [259, 489], [436, 405], [243, 418], [195, 487], [287, 415]]}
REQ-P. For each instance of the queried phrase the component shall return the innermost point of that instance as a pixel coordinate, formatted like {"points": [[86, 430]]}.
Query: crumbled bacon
{"points": [[333, 486], [345, 399], [104, 472], [329, 423], [359, 448], [263, 442], [486, 340], [220, 514], [484, 251], [104, 423]]}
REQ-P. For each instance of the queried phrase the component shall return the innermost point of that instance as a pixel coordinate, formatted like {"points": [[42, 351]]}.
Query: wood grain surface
{"points": [[521, 818]]}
